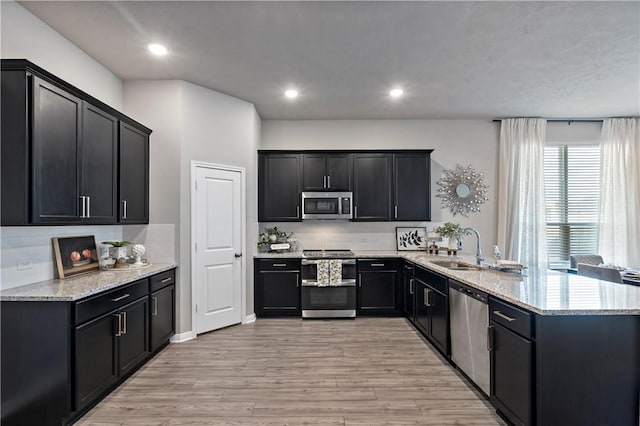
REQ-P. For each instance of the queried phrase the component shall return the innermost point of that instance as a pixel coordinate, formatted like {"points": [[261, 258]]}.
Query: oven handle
{"points": [[315, 261], [343, 283]]}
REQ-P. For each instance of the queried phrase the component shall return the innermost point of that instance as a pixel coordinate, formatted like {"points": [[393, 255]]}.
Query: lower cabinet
{"points": [[133, 337], [277, 288], [379, 288], [408, 286], [432, 308], [162, 316]]}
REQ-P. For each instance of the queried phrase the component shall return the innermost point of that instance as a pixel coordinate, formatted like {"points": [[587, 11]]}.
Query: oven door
{"points": [[329, 301]]}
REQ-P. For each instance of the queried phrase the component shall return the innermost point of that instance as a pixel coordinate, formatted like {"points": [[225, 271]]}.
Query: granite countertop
{"points": [[542, 291], [76, 288]]}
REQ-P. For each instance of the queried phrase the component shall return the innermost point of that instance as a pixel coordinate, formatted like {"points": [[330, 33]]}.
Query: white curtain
{"points": [[521, 206], [619, 219]]}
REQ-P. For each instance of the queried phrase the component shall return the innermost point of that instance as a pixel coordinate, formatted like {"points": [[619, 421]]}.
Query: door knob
{"points": [[238, 255]]}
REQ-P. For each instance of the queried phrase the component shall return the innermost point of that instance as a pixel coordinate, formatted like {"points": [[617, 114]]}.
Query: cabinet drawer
{"points": [[278, 264], [162, 280], [110, 300], [408, 269], [513, 318], [434, 280], [377, 265]]}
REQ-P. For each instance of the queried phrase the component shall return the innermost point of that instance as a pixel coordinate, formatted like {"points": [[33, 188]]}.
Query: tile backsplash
{"points": [[31, 245]]}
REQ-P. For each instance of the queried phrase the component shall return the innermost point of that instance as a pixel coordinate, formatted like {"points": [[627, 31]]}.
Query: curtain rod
{"points": [[565, 120]]}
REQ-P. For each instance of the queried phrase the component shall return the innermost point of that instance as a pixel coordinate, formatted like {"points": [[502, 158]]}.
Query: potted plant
{"points": [[118, 249], [271, 236], [450, 230]]}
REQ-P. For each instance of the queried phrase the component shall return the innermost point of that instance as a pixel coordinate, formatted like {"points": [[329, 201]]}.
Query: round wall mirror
{"points": [[462, 190]]}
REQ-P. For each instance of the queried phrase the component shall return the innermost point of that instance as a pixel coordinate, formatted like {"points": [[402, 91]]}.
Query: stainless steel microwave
{"points": [[327, 205]]}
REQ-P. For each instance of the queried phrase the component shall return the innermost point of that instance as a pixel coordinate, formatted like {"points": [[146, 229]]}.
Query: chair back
{"points": [[599, 272], [589, 259]]}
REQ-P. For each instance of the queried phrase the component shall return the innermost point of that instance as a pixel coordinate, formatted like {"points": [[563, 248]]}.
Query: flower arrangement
{"points": [[449, 230], [272, 235]]}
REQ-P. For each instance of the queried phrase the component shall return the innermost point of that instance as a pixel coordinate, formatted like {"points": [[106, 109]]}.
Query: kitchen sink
{"points": [[455, 265]]}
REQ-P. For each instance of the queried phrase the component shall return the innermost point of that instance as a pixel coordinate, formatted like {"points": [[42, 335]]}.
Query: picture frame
{"points": [[411, 238], [75, 255]]}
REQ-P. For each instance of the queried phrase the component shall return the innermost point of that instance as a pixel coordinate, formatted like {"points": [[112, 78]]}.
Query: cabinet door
{"points": [[377, 293], [511, 374], [162, 316], [421, 307], [339, 172], [133, 342], [314, 176], [277, 293], [412, 197], [134, 175], [99, 165], [96, 367], [372, 187], [438, 319], [55, 153], [279, 188]]}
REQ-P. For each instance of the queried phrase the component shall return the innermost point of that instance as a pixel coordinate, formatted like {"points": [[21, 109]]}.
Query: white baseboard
{"points": [[249, 319], [183, 337]]}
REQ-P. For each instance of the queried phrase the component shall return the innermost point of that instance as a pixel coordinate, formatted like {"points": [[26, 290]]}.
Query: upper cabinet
{"points": [[60, 154], [411, 186], [279, 187], [387, 185], [134, 175], [372, 186], [326, 172]]}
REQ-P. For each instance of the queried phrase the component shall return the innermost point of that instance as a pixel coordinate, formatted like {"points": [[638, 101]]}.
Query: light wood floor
{"points": [[368, 371]]}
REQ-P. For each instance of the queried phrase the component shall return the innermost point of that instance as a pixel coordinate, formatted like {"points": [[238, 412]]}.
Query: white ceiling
{"points": [[454, 59]]}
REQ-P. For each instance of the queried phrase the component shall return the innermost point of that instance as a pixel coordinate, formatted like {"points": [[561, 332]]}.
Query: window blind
{"points": [[572, 194]]}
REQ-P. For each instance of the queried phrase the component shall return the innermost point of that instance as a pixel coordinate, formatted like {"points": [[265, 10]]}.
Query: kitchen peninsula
{"points": [[564, 349]]}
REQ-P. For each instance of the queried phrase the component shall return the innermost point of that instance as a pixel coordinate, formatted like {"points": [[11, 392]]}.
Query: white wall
{"points": [[24, 36], [454, 142]]}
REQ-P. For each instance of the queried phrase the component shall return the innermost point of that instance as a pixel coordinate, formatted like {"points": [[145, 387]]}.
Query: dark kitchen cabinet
{"points": [[408, 287], [162, 309], [279, 187], [134, 175], [512, 362], [326, 172], [133, 339], [372, 186], [60, 158], [432, 308], [277, 287], [379, 289], [96, 362], [411, 186]]}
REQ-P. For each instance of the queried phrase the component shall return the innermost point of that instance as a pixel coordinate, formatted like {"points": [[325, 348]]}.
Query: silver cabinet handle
{"points": [[88, 206], [83, 207], [324, 181], [124, 209], [297, 211], [238, 254], [124, 323], [117, 299], [166, 280], [395, 212], [119, 332], [355, 211], [328, 181], [426, 297], [503, 316], [278, 265], [411, 286], [155, 306], [297, 279], [360, 280], [377, 264]]}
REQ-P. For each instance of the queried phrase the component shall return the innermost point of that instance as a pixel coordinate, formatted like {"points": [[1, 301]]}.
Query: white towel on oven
{"points": [[335, 272], [323, 273]]}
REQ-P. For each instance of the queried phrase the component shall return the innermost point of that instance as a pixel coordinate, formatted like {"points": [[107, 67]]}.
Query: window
{"points": [[572, 188]]}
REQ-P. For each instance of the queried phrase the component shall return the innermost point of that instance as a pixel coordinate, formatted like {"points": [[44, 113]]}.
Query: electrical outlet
{"points": [[24, 264]]}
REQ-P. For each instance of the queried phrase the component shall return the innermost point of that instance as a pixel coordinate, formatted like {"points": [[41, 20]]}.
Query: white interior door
{"points": [[218, 236]]}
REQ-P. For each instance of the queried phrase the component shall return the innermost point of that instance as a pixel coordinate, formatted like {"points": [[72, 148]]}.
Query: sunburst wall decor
{"points": [[462, 190]]}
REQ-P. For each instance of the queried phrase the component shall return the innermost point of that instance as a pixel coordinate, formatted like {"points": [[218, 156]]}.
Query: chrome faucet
{"points": [[479, 258]]}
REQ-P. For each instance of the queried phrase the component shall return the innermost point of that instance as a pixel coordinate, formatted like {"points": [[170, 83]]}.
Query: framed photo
{"points": [[411, 238], [75, 255]]}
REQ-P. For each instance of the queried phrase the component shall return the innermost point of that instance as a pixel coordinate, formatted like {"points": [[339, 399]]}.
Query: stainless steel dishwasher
{"points": [[469, 317]]}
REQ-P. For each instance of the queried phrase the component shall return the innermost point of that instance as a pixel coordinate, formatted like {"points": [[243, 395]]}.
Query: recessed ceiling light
{"points": [[291, 93], [157, 49], [396, 93]]}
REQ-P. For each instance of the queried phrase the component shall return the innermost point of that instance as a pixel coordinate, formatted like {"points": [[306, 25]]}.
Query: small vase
{"points": [[453, 243]]}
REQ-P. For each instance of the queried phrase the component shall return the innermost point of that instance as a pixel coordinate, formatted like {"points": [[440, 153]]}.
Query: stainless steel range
{"points": [[328, 284]]}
